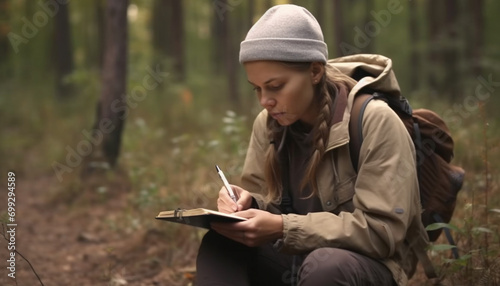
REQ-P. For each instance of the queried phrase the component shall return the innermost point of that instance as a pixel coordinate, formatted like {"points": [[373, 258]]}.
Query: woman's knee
{"points": [[330, 266], [334, 266], [325, 261]]}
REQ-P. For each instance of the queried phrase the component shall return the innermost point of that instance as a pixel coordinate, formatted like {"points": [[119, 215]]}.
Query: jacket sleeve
{"points": [[253, 178], [385, 200]]}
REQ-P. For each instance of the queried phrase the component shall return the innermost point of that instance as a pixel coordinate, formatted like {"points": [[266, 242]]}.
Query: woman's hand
{"points": [[226, 205], [260, 228]]}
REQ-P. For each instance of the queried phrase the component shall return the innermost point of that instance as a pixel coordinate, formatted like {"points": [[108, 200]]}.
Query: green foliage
{"points": [[441, 247], [439, 225], [479, 249]]}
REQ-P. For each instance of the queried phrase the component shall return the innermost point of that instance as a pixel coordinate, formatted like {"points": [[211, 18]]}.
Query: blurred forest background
{"points": [[161, 80]]}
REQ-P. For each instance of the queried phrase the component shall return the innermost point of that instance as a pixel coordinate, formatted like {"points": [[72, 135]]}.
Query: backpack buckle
{"points": [[405, 106], [401, 105]]}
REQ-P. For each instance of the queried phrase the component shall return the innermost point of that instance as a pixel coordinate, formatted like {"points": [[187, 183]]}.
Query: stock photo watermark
{"points": [[454, 117], [11, 225], [363, 37], [482, 92], [222, 7], [74, 156], [39, 19]]}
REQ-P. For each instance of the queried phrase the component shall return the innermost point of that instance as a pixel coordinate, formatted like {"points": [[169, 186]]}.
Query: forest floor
{"points": [[68, 241]]}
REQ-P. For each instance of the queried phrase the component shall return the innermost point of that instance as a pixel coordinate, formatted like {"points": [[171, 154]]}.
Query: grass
{"points": [[174, 137], [477, 215]]}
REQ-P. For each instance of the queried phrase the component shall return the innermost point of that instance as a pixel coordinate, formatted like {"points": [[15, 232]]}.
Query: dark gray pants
{"points": [[222, 261]]}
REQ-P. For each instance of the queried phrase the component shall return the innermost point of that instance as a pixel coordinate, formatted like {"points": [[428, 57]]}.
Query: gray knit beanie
{"points": [[285, 33]]}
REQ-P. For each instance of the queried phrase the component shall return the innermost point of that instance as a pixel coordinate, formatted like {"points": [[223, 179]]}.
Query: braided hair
{"points": [[332, 83]]}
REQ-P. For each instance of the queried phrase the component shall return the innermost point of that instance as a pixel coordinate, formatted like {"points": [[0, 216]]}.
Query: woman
{"points": [[318, 220]]}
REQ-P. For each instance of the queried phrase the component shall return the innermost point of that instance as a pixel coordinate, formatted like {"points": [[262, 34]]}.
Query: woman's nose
{"points": [[266, 101]]}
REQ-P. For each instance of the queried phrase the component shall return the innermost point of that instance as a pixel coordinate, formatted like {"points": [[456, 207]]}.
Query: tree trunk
{"points": [[100, 18], [168, 34], [63, 51], [160, 28], [231, 59], [177, 40], [320, 6], [28, 51], [476, 35], [433, 45], [450, 51], [268, 4], [93, 37], [415, 73], [250, 11], [4, 41], [370, 6], [219, 31], [110, 116], [338, 26]]}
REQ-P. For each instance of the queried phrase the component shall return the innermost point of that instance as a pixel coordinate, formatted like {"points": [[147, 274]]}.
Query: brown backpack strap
{"points": [[356, 126], [340, 104]]}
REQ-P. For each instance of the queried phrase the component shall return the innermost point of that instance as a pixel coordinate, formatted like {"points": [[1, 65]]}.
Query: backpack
{"points": [[438, 179]]}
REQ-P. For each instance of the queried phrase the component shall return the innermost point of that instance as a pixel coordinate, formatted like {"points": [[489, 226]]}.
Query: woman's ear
{"points": [[317, 71]]}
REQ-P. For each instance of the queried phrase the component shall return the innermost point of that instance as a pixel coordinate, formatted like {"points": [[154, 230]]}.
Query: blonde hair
{"points": [[332, 83]]}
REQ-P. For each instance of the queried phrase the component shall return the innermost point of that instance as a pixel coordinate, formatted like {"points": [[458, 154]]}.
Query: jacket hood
{"points": [[370, 71], [373, 71]]}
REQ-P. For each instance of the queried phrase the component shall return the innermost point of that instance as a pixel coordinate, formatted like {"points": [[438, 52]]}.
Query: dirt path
{"points": [[74, 243]]}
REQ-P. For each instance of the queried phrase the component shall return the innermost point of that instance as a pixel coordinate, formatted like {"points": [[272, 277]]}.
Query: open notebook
{"points": [[199, 217]]}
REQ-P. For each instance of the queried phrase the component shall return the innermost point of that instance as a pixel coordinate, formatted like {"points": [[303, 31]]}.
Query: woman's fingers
{"points": [[227, 205], [261, 227], [224, 203], [231, 233], [244, 198]]}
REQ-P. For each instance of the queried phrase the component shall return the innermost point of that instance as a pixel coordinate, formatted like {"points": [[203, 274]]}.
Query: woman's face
{"points": [[286, 93]]}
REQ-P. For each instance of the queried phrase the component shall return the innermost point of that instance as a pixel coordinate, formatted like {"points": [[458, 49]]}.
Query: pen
{"points": [[226, 184]]}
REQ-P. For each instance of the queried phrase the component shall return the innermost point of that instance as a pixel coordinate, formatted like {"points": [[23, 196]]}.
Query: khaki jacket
{"points": [[375, 212]]}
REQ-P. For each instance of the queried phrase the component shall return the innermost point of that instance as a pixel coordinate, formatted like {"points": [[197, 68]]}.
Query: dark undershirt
{"points": [[300, 149]]}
